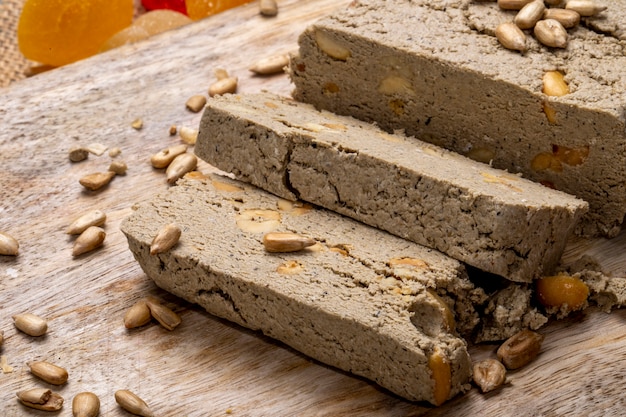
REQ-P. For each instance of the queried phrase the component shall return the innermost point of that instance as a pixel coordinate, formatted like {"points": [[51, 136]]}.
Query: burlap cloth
{"points": [[13, 65]]}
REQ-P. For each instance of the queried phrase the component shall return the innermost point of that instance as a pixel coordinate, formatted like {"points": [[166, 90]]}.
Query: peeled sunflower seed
{"points": [[118, 167], [165, 239], [188, 135], [584, 7], [568, 18], [551, 33], [30, 324], [1, 337], [85, 404], [270, 65], [196, 103], [530, 14], [286, 242], [96, 180], [35, 395], [165, 157], [96, 148], [511, 36], [8, 245], [90, 239], [138, 315], [268, 7], [49, 372], [92, 218], [223, 86], [41, 399], [181, 165], [165, 316], [132, 403], [78, 154]]}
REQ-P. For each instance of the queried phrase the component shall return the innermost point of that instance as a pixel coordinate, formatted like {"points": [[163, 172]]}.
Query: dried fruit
{"points": [[8, 245], [30, 324], [118, 167], [554, 84], [268, 7], [92, 218], [271, 65], [286, 242], [78, 154], [92, 238], [132, 403], [181, 165], [441, 375], [165, 316], [562, 293], [488, 374], [163, 158], [196, 103], [49, 372], [138, 315], [96, 180], [520, 349], [551, 33], [511, 36], [57, 32], [85, 404], [530, 14]]}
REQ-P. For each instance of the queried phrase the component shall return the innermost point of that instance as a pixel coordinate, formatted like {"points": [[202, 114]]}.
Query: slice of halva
{"points": [[435, 69], [360, 299], [490, 219]]}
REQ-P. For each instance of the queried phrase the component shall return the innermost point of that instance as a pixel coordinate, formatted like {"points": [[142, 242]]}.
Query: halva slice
{"points": [[435, 69], [360, 299], [487, 218]]}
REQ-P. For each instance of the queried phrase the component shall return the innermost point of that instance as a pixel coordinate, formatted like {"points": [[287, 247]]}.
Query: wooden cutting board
{"points": [[206, 367]]}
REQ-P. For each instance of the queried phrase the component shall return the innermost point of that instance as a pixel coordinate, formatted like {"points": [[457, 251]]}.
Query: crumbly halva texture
{"points": [[487, 218], [360, 299], [435, 69]]}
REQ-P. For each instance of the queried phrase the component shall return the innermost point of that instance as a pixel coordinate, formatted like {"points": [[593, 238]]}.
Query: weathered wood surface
{"points": [[206, 367]]}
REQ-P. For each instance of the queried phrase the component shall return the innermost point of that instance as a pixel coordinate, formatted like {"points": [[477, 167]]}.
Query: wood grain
{"points": [[206, 367]]}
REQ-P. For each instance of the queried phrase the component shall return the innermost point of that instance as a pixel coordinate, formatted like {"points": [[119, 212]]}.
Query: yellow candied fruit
{"points": [[59, 32], [199, 9]]}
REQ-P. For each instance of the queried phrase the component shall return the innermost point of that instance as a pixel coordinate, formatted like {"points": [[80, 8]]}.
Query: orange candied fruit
{"points": [[198, 9], [58, 32]]}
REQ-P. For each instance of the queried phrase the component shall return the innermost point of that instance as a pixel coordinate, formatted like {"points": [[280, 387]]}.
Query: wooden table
{"points": [[206, 367]]}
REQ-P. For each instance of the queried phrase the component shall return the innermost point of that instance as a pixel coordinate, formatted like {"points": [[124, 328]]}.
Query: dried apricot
{"points": [[58, 32]]}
